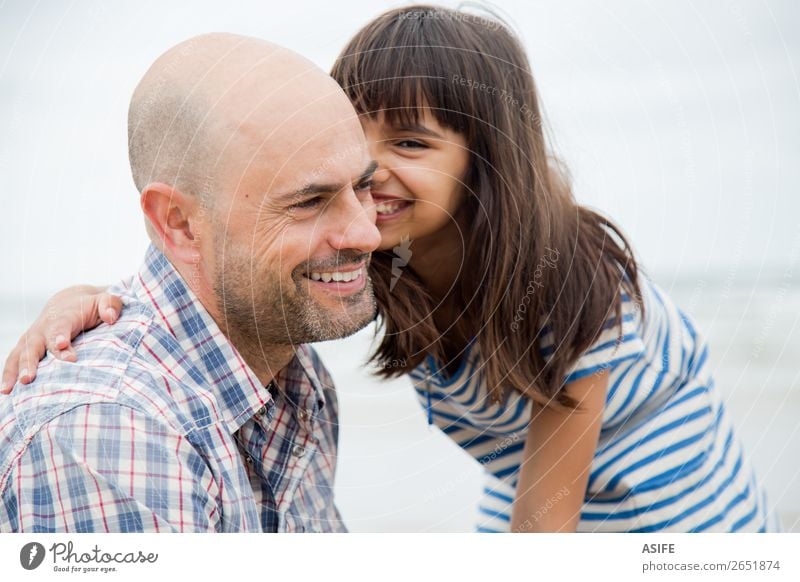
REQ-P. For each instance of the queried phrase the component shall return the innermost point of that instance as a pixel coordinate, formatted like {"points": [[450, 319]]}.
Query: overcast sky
{"points": [[679, 119]]}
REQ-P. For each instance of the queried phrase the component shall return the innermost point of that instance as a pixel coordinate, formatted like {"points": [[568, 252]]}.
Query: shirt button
{"points": [[303, 414], [262, 411], [249, 459], [298, 451]]}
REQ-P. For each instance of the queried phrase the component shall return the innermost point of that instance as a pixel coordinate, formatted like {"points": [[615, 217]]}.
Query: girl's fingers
{"points": [[33, 351], [61, 348], [10, 371], [67, 355], [109, 307], [60, 342]]}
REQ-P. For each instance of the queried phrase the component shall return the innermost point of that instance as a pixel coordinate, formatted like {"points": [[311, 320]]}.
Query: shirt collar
{"points": [[238, 391]]}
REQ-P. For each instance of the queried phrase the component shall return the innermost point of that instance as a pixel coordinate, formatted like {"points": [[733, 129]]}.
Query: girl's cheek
{"points": [[387, 243]]}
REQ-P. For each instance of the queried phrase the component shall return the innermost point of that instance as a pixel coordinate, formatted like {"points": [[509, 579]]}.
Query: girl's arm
{"points": [[65, 315], [558, 454]]}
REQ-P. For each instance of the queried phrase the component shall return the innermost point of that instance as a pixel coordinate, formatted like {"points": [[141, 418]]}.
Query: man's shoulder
{"points": [[104, 355], [118, 371], [109, 420]]}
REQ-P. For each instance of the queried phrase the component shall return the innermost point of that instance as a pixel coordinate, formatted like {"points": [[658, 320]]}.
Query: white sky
{"points": [[681, 120]]}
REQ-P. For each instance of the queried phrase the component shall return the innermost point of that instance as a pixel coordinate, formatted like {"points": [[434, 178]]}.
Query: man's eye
{"points": [[364, 185], [310, 203]]}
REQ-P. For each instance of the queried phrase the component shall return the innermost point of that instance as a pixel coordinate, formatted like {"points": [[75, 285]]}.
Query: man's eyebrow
{"points": [[312, 189], [367, 174]]}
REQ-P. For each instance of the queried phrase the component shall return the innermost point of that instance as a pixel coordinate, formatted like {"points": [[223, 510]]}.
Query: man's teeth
{"points": [[389, 207], [336, 276]]}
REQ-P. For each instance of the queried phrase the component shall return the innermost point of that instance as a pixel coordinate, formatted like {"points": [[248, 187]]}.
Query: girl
{"points": [[531, 336]]}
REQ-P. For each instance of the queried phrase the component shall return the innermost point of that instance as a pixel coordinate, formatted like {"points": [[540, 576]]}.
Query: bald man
{"points": [[201, 409]]}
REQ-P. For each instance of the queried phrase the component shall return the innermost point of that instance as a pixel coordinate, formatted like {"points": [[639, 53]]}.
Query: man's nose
{"points": [[381, 174], [378, 152], [355, 225]]}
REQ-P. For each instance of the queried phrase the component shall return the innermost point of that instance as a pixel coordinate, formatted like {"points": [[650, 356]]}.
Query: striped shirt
{"points": [[160, 426], [668, 457]]}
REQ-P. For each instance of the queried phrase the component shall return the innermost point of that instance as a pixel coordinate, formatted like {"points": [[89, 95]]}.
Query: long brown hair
{"points": [[538, 262]]}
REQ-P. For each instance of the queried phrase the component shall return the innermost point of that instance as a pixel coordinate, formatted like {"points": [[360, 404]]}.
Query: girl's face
{"points": [[418, 187]]}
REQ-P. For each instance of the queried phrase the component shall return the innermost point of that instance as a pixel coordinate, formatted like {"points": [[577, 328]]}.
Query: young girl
{"points": [[531, 336]]}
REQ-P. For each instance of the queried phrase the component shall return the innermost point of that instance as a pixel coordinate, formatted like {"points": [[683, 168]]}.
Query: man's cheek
{"points": [[267, 247], [299, 246]]}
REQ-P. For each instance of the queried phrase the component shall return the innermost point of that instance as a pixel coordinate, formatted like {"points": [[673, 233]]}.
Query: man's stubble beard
{"points": [[259, 309]]}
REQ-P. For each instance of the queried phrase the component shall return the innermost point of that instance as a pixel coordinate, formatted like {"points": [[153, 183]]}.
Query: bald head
{"points": [[189, 107]]}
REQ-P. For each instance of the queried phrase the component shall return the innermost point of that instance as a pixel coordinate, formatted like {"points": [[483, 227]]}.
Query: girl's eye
{"points": [[410, 144], [365, 185]]}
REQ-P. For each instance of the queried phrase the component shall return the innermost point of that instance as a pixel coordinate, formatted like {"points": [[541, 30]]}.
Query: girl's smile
{"points": [[390, 208]]}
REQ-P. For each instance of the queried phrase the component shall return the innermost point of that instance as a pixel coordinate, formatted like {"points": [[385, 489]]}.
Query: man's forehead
{"points": [[332, 155], [294, 144]]}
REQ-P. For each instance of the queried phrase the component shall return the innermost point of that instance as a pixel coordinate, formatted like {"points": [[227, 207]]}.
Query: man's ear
{"points": [[171, 215]]}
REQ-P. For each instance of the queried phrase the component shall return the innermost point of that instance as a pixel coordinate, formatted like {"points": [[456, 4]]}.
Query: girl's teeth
{"points": [[336, 276], [388, 207]]}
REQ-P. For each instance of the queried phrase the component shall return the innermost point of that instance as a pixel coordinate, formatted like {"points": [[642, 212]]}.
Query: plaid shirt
{"points": [[161, 426]]}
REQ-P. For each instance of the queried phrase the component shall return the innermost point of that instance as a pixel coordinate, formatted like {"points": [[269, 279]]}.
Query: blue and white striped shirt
{"points": [[668, 458], [161, 426]]}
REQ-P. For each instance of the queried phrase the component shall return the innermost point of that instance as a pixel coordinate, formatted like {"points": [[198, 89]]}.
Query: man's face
{"points": [[292, 244]]}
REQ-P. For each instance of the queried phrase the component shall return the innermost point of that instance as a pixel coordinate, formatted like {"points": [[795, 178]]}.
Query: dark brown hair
{"points": [[474, 76]]}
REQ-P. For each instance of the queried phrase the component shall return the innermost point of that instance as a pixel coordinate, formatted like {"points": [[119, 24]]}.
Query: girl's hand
{"points": [[65, 315]]}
